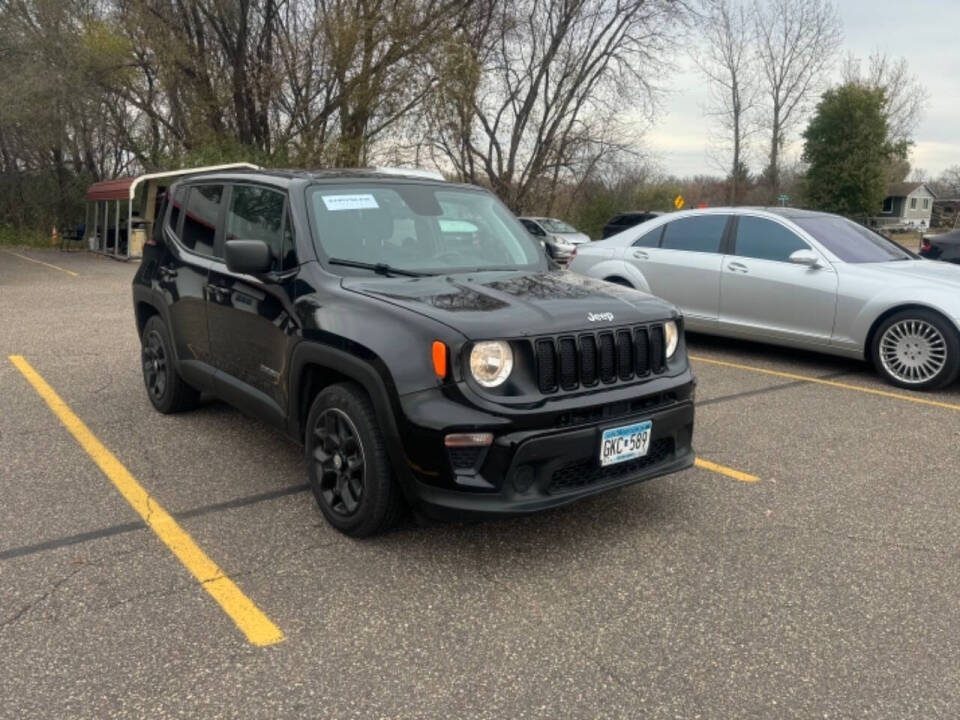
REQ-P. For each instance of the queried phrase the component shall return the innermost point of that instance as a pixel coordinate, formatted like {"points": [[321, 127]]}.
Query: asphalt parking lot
{"points": [[821, 583]]}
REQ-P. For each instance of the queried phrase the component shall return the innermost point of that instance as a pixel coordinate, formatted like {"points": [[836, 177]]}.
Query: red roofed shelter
{"points": [[124, 209]]}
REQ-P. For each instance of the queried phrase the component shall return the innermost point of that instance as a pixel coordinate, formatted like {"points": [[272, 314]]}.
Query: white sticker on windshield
{"points": [[350, 202]]}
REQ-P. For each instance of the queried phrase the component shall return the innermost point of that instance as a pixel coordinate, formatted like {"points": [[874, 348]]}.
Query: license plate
{"points": [[625, 443]]}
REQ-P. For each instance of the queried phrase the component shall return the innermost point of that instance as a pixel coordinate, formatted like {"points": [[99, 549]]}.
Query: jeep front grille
{"points": [[568, 362]]}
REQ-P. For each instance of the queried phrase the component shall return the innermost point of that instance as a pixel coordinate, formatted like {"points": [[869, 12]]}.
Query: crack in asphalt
{"points": [[56, 543], [178, 588], [764, 390]]}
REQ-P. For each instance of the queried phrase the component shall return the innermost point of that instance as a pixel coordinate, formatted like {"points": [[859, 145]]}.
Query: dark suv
{"points": [[414, 338], [627, 220]]}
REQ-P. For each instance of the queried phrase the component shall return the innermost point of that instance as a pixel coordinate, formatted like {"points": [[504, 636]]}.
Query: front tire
{"points": [[917, 349], [166, 389], [348, 466]]}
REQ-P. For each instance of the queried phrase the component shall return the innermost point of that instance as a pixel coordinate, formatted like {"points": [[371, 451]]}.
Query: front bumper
{"points": [[529, 470]]}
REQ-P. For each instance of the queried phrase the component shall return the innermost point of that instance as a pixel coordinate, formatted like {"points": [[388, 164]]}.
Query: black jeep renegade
{"points": [[415, 338]]}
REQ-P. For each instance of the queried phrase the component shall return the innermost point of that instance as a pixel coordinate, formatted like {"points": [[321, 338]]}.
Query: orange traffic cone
{"points": [[53, 237]]}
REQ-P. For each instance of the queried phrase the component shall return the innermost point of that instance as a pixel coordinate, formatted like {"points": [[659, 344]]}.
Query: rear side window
{"points": [[766, 240], [201, 217], [257, 213], [176, 208], [650, 239], [701, 233]]}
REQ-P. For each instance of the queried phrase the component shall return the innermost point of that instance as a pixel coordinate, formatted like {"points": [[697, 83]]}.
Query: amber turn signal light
{"points": [[439, 359]]}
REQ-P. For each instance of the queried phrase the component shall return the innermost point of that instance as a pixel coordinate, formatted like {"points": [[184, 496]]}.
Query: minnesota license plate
{"points": [[625, 443]]}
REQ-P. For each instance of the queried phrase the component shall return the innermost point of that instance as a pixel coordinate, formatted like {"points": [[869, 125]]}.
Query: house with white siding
{"points": [[907, 205]]}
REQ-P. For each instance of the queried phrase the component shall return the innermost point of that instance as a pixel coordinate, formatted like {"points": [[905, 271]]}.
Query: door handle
{"points": [[737, 267], [640, 255], [217, 293], [167, 272]]}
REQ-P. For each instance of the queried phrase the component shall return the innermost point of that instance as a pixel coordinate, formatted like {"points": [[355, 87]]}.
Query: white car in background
{"points": [[797, 278]]}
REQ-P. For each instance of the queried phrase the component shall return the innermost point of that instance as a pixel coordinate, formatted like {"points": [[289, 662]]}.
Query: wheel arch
{"points": [[889, 312], [144, 311], [315, 366]]}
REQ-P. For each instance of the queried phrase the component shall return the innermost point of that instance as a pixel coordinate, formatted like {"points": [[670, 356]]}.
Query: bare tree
{"points": [[797, 41], [905, 98], [727, 59], [536, 83]]}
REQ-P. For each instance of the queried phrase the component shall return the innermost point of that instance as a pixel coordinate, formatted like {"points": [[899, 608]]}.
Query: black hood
{"points": [[516, 304]]}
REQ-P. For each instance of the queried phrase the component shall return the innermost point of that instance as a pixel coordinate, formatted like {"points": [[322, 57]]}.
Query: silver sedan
{"points": [[797, 278]]}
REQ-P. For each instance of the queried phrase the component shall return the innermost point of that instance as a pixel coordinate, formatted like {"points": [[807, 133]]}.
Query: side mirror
{"points": [[249, 257], [805, 257]]}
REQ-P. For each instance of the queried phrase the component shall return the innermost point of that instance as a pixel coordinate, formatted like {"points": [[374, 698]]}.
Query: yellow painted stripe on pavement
{"points": [[724, 470], [41, 262], [831, 383], [248, 617]]}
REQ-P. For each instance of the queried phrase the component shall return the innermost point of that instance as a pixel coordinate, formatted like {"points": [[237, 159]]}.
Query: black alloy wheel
{"points": [[338, 455], [167, 391], [154, 359], [348, 465]]}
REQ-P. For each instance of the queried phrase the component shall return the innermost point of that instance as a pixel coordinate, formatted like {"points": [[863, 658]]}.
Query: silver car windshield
{"points": [[557, 226], [423, 228], [851, 242]]}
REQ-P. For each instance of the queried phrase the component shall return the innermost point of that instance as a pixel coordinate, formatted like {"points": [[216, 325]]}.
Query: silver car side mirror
{"points": [[805, 257]]}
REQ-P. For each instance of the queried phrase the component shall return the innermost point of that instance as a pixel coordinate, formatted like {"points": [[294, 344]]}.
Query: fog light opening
{"points": [[482, 439]]}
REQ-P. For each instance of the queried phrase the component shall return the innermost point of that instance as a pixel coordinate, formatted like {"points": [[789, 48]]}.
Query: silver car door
{"points": [[766, 297], [685, 268]]}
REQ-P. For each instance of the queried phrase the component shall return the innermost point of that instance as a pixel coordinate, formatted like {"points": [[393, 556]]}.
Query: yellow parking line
{"points": [[831, 383], [724, 470], [41, 262], [248, 617]]}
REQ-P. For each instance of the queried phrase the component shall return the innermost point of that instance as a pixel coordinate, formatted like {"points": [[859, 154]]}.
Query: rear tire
{"points": [[916, 349], [619, 281], [348, 465], [166, 389]]}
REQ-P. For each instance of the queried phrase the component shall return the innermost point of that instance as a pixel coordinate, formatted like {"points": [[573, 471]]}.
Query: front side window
{"points": [[926, 203], [256, 213], [851, 242], [201, 217], [888, 204], [420, 228], [913, 203], [700, 233], [533, 228], [766, 240]]}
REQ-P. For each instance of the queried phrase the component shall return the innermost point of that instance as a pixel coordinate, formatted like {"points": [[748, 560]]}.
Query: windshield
{"points": [[557, 226], [851, 242], [422, 228]]}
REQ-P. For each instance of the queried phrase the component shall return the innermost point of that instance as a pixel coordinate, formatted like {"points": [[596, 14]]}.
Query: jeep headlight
{"points": [[491, 362], [671, 336]]}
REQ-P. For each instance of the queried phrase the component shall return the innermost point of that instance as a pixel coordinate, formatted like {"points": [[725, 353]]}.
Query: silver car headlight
{"points": [[671, 336], [491, 362]]}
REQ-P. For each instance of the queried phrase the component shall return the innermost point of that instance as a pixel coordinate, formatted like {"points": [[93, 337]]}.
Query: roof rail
{"points": [[410, 172]]}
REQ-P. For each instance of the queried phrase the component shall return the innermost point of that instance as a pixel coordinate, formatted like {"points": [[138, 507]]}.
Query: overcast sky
{"points": [[925, 32]]}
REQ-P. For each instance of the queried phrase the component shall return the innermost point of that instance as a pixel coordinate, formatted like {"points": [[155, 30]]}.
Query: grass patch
{"points": [[23, 237]]}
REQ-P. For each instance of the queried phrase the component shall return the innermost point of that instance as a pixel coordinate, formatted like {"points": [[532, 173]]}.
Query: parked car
{"points": [[565, 232], [797, 278], [411, 335], [559, 238], [945, 246], [627, 220]]}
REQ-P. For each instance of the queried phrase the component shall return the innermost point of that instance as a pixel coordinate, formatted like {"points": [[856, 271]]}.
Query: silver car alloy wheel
{"points": [[913, 351]]}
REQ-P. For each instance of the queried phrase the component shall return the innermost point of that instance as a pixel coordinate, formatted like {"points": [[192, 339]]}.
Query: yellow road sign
{"points": [[678, 202]]}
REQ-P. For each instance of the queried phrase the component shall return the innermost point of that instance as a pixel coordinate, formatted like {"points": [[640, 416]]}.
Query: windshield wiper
{"points": [[379, 268]]}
